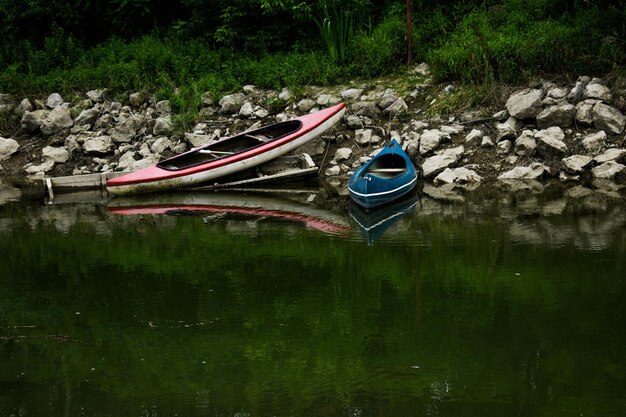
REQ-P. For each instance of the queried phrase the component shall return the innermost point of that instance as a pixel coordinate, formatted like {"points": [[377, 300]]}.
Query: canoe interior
{"points": [[230, 146], [387, 166]]}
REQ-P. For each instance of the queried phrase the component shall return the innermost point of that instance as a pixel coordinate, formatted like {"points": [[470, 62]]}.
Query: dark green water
{"points": [[497, 305]]}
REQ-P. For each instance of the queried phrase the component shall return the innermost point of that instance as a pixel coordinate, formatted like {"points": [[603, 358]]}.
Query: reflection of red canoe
{"points": [[228, 155], [232, 203]]}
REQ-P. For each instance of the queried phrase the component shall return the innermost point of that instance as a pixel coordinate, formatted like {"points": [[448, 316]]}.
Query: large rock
{"points": [[56, 154], [509, 129], [366, 108], [609, 170], [431, 139], [40, 169], [525, 104], [54, 100], [594, 141], [58, 119], [578, 91], [444, 159], [232, 103], [550, 143], [584, 111], [388, 98], [561, 115], [533, 172], [163, 126], [126, 128], [198, 140], [342, 154], [473, 138], [608, 119], [97, 96], [363, 136], [100, 145], [613, 154], [351, 94], [457, 176], [160, 145], [325, 100], [576, 164], [136, 99], [306, 105], [525, 144], [87, 116], [32, 120], [399, 106], [598, 91], [7, 147]]}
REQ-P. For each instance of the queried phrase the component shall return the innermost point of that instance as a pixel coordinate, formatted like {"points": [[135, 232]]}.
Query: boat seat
{"points": [[385, 170]]}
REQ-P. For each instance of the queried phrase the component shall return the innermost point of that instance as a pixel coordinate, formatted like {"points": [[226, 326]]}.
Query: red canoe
{"points": [[227, 156]]}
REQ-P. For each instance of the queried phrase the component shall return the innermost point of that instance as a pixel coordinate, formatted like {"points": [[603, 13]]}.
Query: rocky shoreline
{"points": [[571, 134]]}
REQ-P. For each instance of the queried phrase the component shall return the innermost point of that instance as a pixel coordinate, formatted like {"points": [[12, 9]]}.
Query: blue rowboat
{"points": [[383, 179]]}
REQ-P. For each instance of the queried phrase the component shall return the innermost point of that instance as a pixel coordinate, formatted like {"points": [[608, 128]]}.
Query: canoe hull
{"points": [[371, 186], [154, 178]]}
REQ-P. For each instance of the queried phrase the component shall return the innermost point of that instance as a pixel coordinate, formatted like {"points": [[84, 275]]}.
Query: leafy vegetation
{"points": [[186, 46]]}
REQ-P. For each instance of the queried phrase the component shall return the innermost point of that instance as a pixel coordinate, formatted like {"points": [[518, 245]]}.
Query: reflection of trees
{"points": [[177, 315]]}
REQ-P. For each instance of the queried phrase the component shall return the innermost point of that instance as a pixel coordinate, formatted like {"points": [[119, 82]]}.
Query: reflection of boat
{"points": [[242, 204], [227, 156], [384, 178], [374, 223]]}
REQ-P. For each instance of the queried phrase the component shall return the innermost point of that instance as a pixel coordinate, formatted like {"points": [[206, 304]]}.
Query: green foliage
{"points": [[519, 39], [380, 51]]}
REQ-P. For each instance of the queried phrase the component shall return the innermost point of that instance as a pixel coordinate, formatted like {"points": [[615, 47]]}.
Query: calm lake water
{"points": [[491, 304]]}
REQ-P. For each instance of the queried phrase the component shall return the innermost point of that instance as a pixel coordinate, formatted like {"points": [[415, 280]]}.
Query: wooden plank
{"points": [[79, 182]]}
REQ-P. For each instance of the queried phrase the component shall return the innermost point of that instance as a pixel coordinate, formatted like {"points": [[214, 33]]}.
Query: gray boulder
{"points": [[160, 145], [595, 141], [58, 119], [399, 106], [389, 97], [578, 91], [351, 94], [525, 144], [163, 107], [354, 122], [525, 104], [327, 100], [561, 115], [550, 143], [87, 116], [232, 103], [431, 139], [56, 154], [366, 108], [136, 99], [533, 172], [32, 120], [609, 170], [163, 126], [54, 100], [576, 164], [504, 147], [613, 154], [509, 129], [7, 147], [97, 96], [363, 137], [608, 119], [100, 145], [473, 138], [598, 91], [584, 111], [197, 140], [342, 154], [306, 105], [126, 129], [457, 176], [444, 159]]}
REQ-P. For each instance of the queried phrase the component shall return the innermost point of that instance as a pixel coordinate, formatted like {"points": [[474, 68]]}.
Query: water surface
{"points": [[493, 304]]}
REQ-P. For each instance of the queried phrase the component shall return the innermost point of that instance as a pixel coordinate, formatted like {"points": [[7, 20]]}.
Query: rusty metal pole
{"points": [[409, 33]]}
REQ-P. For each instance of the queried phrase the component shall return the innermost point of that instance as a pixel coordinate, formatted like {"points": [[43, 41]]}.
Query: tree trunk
{"points": [[409, 34]]}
